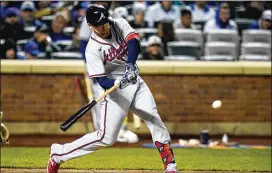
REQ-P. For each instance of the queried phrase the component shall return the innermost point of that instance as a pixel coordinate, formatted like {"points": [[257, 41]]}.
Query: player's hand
{"points": [[136, 69], [122, 83], [130, 74]]}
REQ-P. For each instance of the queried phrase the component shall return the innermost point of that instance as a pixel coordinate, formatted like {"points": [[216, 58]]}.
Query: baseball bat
{"points": [[72, 119]]}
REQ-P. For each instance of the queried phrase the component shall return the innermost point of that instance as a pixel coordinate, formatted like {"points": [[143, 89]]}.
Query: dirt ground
{"points": [[47, 140], [10, 170]]}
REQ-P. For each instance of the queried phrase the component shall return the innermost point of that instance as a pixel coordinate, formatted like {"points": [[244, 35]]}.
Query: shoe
{"points": [[171, 170], [127, 136], [52, 166]]}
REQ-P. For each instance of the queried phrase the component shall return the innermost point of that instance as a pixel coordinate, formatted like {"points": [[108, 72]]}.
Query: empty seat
{"points": [[69, 30], [217, 58], [184, 48], [147, 32], [180, 58], [21, 44], [47, 19], [222, 35], [255, 51], [223, 50], [263, 36], [243, 24], [66, 55], [255, 58], [30, 29], [189, 35]]}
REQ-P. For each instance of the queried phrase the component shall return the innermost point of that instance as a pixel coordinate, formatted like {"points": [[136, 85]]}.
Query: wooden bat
{"points": [[72, 119]]}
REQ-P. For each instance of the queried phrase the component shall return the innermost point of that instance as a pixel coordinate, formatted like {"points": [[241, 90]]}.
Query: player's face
{"points": [[102, 31]]}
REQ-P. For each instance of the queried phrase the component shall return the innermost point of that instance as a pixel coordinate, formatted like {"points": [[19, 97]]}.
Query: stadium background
{"points": [[37, 95]]}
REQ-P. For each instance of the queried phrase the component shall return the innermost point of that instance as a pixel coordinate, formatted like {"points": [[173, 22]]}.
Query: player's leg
{"points": [[144, 106], [112, 117]]}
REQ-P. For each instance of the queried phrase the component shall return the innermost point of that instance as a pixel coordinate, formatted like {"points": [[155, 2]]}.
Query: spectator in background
{"points": [[12, 29], [78, 13], [222, 19], [120, 12], [57, 26], [253, 10], [153, 49], [43, 42], [139, 4], [27, 13], [185, 21], [161, 11], [75, 46], [264, 22], [9, 50], [201, 11], [138, 21], [165, 31], [44, 9], [32, 50]]}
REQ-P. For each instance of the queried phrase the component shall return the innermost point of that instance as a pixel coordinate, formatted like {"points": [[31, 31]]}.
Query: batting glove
{"points": [[122, 83], [130, 74]]}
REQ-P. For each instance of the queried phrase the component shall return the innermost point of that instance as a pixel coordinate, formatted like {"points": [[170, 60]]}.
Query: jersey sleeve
{"points": [[95, 65], [128, 32]]}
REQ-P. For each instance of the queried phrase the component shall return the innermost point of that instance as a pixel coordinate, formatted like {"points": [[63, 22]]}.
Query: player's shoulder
{"points": [[92, 46], [119, 21]]}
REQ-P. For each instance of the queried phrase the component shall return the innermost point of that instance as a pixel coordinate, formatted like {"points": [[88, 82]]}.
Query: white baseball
{"points": [[217, 104]]}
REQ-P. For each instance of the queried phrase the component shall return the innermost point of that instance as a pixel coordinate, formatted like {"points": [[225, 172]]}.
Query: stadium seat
{"points": [[222, 50], [146, 31], [254, 58], [143, 45], [69, 30], [180, 58], [200, 25], [66, 55], [217, 58], [255, 51], [263, 36], [186, 48], [21, 44], [243, 24], [189, 35], [63, 43], [222, 35], [31, 29], [47, 19]]}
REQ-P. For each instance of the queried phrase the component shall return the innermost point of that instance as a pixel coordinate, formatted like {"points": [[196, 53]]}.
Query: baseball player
{"points": [[85, 33], [111, 56]]}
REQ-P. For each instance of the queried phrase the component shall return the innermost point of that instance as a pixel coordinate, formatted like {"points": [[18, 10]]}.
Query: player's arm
{"points": [[97, 71]]}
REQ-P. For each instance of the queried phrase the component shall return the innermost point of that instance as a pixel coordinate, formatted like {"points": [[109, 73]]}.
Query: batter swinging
{"points": [[111, 56]]}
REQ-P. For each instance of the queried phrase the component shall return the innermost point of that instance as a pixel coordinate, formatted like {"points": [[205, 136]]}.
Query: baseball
{"points": [[217, 104]]}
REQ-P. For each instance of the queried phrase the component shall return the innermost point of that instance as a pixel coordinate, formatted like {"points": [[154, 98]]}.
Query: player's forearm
{"points": [[105, 82], [133, 50]]}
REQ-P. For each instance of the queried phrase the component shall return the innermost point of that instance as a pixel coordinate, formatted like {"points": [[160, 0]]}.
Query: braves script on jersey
{"points": [[107, 57]]}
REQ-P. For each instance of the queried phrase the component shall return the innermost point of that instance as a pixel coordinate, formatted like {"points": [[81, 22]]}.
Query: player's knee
{"points": [[108, 141]]}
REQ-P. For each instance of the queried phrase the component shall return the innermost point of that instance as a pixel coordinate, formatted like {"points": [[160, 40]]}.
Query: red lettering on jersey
{"points": [[114, 53]]}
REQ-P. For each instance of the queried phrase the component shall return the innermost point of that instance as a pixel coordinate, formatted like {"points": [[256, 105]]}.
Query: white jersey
{"points": [[108, 57]]}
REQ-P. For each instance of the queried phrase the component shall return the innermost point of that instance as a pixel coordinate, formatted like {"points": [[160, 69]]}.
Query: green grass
{"points": [[139, 158]]}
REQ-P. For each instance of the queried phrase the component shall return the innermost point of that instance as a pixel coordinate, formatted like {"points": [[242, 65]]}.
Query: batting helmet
{"points": [[97, 15]]}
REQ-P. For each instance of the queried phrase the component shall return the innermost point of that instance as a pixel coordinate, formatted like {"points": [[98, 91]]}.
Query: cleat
{"points": [[52, 166]]}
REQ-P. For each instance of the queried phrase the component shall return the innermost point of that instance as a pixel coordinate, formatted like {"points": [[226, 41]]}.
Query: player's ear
{"points": [[90, 25]]}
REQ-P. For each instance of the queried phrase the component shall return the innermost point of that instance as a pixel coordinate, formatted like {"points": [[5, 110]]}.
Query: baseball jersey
{"points": [[108, 57]]}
